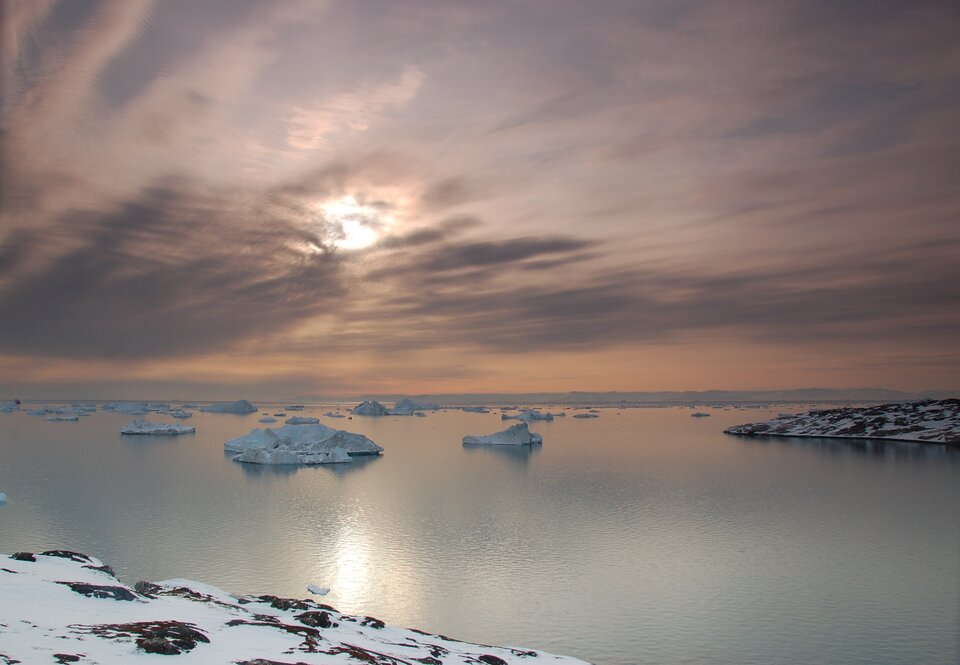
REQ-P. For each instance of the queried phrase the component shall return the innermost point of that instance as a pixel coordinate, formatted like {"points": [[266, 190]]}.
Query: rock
{"points": [[517, 435], [240, 407], [156, 429], [101, 591]]}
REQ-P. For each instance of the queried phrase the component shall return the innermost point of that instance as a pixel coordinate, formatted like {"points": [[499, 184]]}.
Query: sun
{"points": [[352, 223]]}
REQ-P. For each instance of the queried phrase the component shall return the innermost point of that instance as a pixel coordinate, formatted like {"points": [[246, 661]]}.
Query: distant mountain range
{"points": [[662, 397]]}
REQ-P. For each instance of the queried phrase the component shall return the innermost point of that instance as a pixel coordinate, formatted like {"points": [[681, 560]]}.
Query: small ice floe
{"points": [[295, 407], [517, 435], [62, 418], [160, 429], [3, 498], [331, 414], [301, 420], [181, 413], [267, 419], [585, 415], [318, 590], [699, 414], [475, 409], [10, 407], [527, 415]]}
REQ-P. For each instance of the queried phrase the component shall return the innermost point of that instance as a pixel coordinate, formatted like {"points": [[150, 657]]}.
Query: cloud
{"points": [[315, 126]]}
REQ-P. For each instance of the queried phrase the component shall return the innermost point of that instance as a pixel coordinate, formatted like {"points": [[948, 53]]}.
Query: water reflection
{"points": [[281, 470], [877, 448], [520, 454]]}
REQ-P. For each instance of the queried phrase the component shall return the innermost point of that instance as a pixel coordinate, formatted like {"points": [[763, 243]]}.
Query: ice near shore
{"points": [[925, 422], [517, 435], [145, 427], [300, 444], [61, 606]]}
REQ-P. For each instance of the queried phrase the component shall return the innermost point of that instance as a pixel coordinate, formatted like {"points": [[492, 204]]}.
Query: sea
{"points": [[644, 535]]}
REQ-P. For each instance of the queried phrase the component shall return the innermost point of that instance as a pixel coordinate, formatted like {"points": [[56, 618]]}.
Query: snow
{"points": [[240, 407], [301, 420], [300, 444], [371, 408], [157, 429], [517, 435], [926, 422], [41, 616], [318, 590]]}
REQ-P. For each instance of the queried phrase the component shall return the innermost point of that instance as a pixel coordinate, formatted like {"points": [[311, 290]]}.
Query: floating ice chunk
{"points": [[267, 419], [159, 429], [527, 415], [181, 413], [62, 418], [409, 407], [241, 407], [331, 414], [301, 420], [318, 590], [9, 407], [3, 498], [699, 414], [475, 409], [295, 407], [300, 444], [517, 435], [585, 415]]}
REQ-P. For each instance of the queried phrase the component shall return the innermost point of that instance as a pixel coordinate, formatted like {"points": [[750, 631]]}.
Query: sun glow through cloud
{"points": [[353, 224]]}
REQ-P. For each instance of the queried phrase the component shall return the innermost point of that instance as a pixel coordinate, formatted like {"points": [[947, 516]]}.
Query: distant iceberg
{"points": [[301, 420], [699, 414], [129, 408], [181, 413], [331, 414], [517, 435], [3, 498], [371, 408], [267, 419], [300, 444], [63, 418], [295, 407], [240, 407], [9, 407], [158, 429], [585, 415], [409, 407], [528, 415], [475, 409]]}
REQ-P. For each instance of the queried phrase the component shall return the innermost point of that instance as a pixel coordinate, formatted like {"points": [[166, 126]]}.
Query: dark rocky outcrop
{"points": [[101, 591]]}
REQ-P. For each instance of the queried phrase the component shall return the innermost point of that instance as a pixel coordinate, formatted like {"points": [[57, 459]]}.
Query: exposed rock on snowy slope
{"points": [[927, 422], [517, 435], [66, 607], [158, 429], [241, 407], [300, 444]]}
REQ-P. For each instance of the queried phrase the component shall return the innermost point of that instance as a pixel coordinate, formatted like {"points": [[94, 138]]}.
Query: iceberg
{"points": [[62, 418], [409, 407], [158, 429], [3, 498], [181, 413], [585, 415], [301, 420], [240, 407], [295, 407], [371, 408], [318, 590], [699, 414], [517, 435], [129, 408], [527, 415], [9, 407], [475, 409], [331, 414], [267, 419], [300, 444]]}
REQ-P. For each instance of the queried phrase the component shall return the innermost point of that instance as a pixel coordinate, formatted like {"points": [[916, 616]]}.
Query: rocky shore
{"points": [[66, 607], [927, 421]]}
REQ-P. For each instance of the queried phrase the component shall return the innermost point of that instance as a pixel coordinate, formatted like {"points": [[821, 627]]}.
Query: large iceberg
{"points": [[158, 429], [409, 407], [241, 407], [517, 435], [300, 444], [371, 408]]}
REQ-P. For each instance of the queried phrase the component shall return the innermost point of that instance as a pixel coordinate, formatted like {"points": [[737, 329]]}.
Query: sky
{"points": [[253, 198]]}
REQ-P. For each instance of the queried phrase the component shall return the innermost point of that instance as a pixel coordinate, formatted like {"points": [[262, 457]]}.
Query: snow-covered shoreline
{"points": [[927, 421], [61, 606]]}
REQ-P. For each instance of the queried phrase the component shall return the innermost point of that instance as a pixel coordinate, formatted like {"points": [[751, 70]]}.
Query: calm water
{"points": [[644, 536]]}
